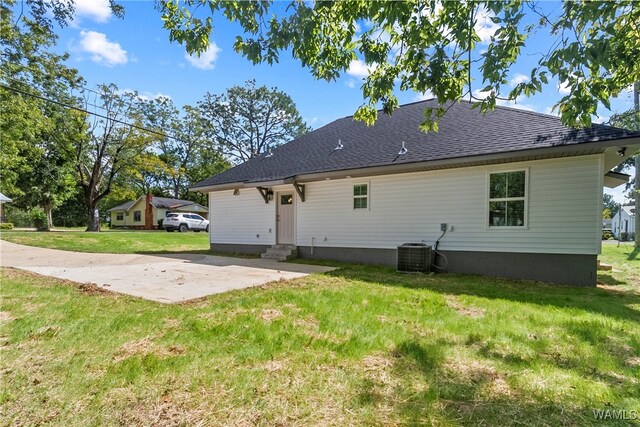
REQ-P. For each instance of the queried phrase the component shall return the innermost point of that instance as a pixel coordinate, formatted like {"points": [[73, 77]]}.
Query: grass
{"points": [[113, 241], [360, 345]]}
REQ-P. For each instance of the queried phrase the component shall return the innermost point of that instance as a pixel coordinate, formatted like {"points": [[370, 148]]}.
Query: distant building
{"points": [[624, 221], [3, 199], [144, 212]]}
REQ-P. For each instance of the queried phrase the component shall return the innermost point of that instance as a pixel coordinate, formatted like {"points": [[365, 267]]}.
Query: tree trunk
{"points": [[93, 221], [48, 222]]}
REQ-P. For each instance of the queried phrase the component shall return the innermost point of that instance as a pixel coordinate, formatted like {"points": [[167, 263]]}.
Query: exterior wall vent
{"points": [[414, 258]]}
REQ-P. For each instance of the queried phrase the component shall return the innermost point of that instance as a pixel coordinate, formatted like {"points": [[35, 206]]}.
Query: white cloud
{"points": [[101, 49], [518, 78], [549, 110], [207, 59], [358, 68], [485, 27], [96, 10], [423, 96], [564, 88], [351, 83], [146, 95]]}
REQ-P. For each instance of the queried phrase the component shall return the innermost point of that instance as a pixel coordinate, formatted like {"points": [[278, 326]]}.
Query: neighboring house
{"points": [[624, 221], [144, 212], [3, 199], [520, 194]]}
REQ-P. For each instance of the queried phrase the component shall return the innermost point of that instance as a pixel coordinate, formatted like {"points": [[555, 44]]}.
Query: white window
{"points": [[137, 216], [361, 196], [508, 199]]}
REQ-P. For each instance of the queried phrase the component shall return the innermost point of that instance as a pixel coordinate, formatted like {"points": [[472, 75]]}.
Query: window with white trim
{"points": [[119, 216], [361, 196], [508, 199], [137, 216]]}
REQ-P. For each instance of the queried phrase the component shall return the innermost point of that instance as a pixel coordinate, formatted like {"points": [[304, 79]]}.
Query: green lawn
{"points": [[360, 345], [112, 241]]}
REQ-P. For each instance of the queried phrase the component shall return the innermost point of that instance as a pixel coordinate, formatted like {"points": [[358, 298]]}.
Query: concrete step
{"points": [[281, 252]]}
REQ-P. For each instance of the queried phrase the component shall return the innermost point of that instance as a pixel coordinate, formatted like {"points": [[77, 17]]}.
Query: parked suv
{"points": [[184, 222]]}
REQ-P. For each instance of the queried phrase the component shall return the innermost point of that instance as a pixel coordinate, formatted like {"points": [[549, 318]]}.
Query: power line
{"points": [[72, 107]]}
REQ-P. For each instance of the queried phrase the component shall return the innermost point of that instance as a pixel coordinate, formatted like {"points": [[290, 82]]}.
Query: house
{"points": [[145, 211], [511, 193], [3, 199], [624, 221]]}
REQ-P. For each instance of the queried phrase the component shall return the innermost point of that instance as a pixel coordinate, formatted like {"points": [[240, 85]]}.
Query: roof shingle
{"points": [[464, 132]]}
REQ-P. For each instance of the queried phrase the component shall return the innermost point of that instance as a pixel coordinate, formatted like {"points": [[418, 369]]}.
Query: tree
{"points": [[631, 120], [610, 205], [431, 46], [248, 121], [177, 152], [115, 140], [36, 154]]}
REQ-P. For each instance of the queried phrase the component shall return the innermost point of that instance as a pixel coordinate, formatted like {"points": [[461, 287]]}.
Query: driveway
{"points": [[162, 278]]}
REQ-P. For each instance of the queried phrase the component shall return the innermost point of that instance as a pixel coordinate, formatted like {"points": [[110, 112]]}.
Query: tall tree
{"points": [[114, 142], [36, 154], [631, 120], [178, 151], [432, 46], [246, 121]]}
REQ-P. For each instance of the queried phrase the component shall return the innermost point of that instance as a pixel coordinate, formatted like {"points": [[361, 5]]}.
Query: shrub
{"points": [[6, 226], [624, 236], [18, 217], [606, 234], [39, 218], [160, 224]]}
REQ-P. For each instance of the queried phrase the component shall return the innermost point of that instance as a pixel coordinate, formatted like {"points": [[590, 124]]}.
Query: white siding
{"points": [[243, 219], [564, 208]]}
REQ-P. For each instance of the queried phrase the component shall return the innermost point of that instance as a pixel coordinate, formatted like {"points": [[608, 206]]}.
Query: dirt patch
{"points": [[274, 366], [92, 289], [469, 311], [270, 314], [5, 316], [633, 361], [483, 375], [145, 347], [170, 323]]}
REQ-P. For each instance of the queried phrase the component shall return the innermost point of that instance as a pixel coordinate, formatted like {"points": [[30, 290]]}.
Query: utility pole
{"points": [[636, 105]]}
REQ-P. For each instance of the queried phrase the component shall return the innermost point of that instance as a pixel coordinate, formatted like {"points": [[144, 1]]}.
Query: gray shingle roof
{"points": [[158, 202], [464, 132], [169, 203], [123, 207]]}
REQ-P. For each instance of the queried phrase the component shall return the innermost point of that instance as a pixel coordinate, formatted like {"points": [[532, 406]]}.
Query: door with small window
{"points": [[285, 218]]}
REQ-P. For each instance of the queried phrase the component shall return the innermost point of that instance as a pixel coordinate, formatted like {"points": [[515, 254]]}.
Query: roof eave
{"points": [[595, 147]]}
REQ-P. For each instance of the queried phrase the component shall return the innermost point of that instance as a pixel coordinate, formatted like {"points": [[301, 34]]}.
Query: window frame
{"points": [[367, 197], [120, 216], [525, 198], [140, 216]]}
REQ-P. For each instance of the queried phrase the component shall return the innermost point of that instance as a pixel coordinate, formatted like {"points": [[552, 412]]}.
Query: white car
{"points": [[185, 222]]}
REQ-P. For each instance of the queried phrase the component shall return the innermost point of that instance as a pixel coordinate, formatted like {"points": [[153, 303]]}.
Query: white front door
{"points": [[285, 218]]}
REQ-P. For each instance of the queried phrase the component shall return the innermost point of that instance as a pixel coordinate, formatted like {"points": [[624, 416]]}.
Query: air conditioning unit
{"points": [[414, 258]]}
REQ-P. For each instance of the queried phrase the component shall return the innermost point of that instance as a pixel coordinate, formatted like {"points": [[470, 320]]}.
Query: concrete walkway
{"points": [[162, 278]]}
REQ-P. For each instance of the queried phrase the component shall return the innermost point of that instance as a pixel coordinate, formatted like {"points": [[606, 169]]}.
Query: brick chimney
{"points": [[148, 214]]}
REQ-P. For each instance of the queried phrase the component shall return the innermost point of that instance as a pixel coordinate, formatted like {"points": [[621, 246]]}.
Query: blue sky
{"points": [[135, 53]]}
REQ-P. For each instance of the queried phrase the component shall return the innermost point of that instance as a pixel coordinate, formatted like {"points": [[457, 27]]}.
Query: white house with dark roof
{"points": [[624, 221], [518, 194], [146, 211]]}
